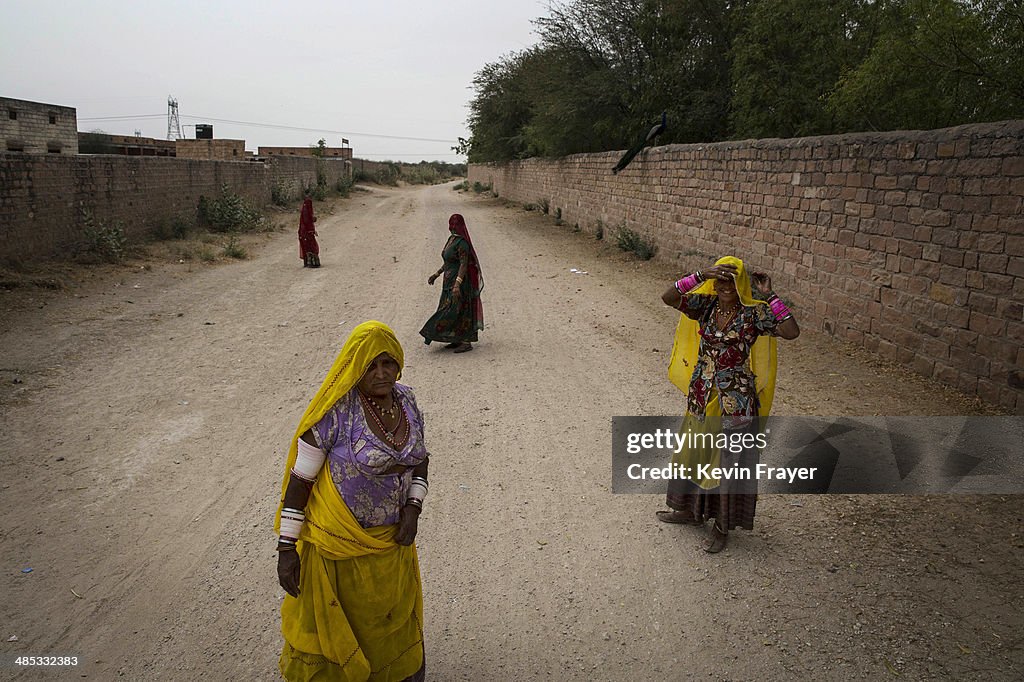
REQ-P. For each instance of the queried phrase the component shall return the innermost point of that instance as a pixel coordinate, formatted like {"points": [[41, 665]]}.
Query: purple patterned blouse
{"points": [[358, 459]]}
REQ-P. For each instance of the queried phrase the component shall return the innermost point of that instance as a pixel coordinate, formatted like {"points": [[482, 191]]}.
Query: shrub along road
{"points": [[144, 439]]}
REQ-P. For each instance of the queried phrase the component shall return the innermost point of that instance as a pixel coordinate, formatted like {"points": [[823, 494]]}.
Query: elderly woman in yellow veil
{"points": [[724, 361], [353, 489]]}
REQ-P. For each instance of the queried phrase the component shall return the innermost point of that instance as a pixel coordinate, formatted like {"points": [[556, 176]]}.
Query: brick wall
{"points": [[375, 169], [220, 149], [37, 128], [910, 244], [43, 197], [129, 145], [327, 152]]}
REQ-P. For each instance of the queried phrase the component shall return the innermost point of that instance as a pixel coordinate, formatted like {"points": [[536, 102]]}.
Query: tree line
{"points": [[603, 71]]}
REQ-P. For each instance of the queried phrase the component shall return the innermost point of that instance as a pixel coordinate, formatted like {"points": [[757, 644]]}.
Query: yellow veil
{"points": [[365, 343], [687, 343], [381, 571], [684, 360]]}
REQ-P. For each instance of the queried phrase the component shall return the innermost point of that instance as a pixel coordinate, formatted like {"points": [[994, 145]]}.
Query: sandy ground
{"points": [[144, 416]]}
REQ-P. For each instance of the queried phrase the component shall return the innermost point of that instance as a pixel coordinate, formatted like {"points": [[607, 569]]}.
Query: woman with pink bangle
{"points": [[724, 360]]}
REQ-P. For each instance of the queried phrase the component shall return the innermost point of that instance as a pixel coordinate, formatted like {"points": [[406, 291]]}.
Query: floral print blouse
{"points": [[723, 357], [359, 460]]}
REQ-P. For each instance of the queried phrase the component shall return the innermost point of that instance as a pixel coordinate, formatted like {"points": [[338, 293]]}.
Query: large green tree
{"points": [[938, 63], [501, 109], [603, 71], [788, 58]]}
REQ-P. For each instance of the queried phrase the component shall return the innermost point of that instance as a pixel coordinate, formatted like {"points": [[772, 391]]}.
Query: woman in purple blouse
{"points": [[354, 485]]}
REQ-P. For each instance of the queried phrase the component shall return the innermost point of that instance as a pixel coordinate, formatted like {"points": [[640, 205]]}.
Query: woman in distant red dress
{"points": [[309, 250]]}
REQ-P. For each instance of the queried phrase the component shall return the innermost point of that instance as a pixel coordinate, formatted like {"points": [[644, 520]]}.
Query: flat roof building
{"points": [[37, 128]]}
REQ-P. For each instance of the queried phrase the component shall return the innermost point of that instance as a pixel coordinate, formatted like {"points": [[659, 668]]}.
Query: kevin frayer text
{"points": [[761, 472]]}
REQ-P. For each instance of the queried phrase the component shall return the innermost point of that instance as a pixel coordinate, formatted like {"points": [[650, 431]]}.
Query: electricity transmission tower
{"points": [[173, 124]]}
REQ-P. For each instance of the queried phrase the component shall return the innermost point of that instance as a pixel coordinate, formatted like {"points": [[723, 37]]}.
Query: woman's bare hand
{"points": [[762, 281], [288, 571], [407, 525], [724, 272]]}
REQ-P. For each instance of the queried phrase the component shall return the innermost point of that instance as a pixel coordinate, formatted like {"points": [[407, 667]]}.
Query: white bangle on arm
{"points": [[308, 461], [417, 491], [292, 521]]}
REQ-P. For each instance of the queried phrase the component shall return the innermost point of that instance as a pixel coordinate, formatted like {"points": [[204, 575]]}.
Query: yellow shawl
{"points": [[684, 359], [308, 625], [687, 344]]}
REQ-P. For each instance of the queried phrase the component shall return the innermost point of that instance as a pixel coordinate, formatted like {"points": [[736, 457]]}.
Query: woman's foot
{"points": [[673, 516], [464, 347], [453, 345], [717, 539]]}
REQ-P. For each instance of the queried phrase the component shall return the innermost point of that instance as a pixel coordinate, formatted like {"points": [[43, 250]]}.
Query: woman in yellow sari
{"points": [[724, 360], [353, 489]]}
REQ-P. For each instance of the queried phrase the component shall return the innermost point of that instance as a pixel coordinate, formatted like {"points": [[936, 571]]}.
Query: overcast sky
{"points": [[342, 68]]}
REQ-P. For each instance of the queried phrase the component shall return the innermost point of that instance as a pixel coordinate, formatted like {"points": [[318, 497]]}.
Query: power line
{"points": [[122, 118], [319, 130], [362, 154], [272, 125]]}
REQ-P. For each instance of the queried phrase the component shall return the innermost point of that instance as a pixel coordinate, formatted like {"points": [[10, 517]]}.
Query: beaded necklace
{"points": [[390, 435], [724, 316], [391, 411]]}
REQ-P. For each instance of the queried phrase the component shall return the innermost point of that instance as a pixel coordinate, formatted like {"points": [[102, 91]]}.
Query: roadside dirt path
{"points": [[144, 439]]}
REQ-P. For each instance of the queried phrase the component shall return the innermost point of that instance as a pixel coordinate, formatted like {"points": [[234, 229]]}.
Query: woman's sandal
{"points": [[464, 348], [716, 543], [675, 516]]}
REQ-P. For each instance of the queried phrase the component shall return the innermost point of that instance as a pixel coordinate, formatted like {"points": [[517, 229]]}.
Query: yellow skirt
{"points": [[355, 619]]}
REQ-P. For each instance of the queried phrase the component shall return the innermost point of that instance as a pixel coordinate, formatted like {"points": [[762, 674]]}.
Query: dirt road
{"points": [[144, 439]]}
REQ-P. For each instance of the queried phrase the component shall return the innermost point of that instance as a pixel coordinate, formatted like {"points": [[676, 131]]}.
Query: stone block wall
{"points": [[327, 152], [220, 149], [910, 244], [43, 198], [37, 128]]}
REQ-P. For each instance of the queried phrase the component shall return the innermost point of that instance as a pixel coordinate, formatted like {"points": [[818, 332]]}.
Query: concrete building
{"points": [[37, 128]]}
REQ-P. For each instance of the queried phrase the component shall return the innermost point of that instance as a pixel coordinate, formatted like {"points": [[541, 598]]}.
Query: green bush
{"points": [[235, 250], [280, 195], [321, 174], [105, 241], [421, 175], [228, 213], [628, 240], [545, 206], [177, 227], [558, 216], [599, 230], [344, 186], [181, 226]]}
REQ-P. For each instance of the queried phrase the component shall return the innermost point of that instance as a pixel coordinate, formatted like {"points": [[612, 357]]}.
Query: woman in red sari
{"points": [[309, 250]]}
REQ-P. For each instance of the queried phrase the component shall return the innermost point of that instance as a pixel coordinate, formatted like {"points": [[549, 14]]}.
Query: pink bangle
{"points": [[687, 283], [779, 309]]}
